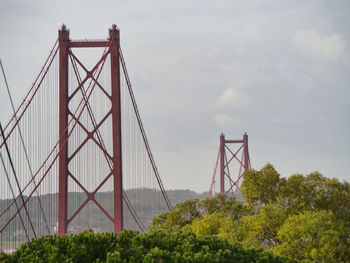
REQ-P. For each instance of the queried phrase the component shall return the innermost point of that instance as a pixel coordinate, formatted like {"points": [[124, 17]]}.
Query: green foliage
{"points": [[131, 246], [4, 257], [82, 247], [228, 206], [300, 217], [207, 225], [262, 227], [316, 236], [302, 193], [336, 198], [193, 210], [217, 224], [312, 192], [181, 215], [261, 187]]}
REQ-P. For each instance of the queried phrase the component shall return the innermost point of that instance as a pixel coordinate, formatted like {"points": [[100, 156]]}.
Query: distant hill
{"points": [[143, 201], [179, 196]]}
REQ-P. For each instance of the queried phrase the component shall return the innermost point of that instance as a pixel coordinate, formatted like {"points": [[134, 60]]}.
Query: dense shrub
{"points": [[131, 246]]}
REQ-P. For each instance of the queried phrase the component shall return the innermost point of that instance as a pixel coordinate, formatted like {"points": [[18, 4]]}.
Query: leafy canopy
{"points": [[131, 246], [300, 217]]}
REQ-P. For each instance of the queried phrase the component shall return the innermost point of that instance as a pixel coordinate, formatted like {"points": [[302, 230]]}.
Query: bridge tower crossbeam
{"points": [[226, 157], [114, 159]]}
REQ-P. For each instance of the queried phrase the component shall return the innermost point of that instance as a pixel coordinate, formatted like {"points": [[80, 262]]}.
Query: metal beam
{"points": [[63, 36], [222, 163], [88, 43], [116, 123]]}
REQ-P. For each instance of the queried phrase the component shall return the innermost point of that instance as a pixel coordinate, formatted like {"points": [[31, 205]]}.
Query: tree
{"points": [[182, 214], [262, 227], [261, 187], [206, 226], [302, 217], [130, 246], [228, 206], [315, 192], [336, 197], [296, 194], [317, 236], [193, 210]]}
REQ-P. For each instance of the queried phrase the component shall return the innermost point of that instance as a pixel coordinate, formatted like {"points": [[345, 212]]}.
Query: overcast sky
{"points": [[278, 70]]}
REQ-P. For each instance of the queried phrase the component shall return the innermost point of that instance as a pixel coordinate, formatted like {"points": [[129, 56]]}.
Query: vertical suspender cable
{"points": [[100, 139], [13, 196], [24, 147], [18, 186], [167, 201]]}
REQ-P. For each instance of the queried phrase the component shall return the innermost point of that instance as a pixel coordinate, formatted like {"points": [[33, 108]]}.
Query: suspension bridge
{"points": [[233, 161], [74, 154]]}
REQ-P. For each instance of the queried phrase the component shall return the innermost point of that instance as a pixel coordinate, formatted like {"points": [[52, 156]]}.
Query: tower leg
{"points": [[116, 122], [63, 131], [246, 152], [222, 163]]}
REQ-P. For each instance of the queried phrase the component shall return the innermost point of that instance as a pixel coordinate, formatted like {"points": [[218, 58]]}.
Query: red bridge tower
{"points": [[229, 157], [114, 158]]}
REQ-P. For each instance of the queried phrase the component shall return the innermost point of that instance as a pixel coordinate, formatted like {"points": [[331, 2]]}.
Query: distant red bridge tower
{"points": [[233, 157]]}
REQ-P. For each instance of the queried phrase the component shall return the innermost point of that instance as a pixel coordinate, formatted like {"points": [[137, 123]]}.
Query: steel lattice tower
{"points": [[227, 156], [113, 45]]}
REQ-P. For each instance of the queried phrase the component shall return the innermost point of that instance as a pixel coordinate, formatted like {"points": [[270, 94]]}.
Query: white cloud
{"points": [[224, 120], [319, 46], [231, 98]]}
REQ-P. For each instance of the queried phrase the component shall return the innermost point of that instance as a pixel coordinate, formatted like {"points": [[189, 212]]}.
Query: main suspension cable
{"points": [[211, 192], [24, 147], [99, 136], [18, 186], [143, 133], [55, 157], [13, 196], [33, 90]]}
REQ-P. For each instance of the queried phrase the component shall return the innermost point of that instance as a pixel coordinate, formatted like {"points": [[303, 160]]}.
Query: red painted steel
{"points": [[112, 48], [149, 153], [243, 162], [116, 123], [100, 142], [211, 192], [116, 170], [88, 43], [246, 153], [63, 36], [50, 155], [222, 163], [31, 93]]}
